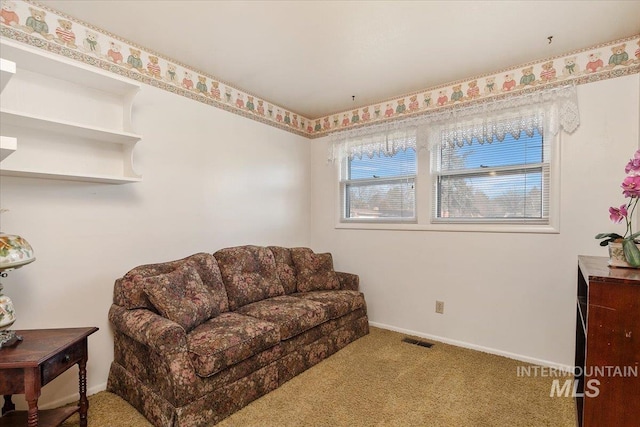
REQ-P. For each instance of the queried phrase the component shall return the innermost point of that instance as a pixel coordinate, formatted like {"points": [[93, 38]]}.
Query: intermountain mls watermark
{"points": [[566, 383]]}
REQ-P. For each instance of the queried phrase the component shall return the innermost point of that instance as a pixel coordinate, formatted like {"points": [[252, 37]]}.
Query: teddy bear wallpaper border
{"points": [[35, 24], [579, 67]]}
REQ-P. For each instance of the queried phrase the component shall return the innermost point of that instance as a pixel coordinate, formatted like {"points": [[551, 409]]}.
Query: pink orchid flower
{"points": [[618, 214], [631, 186], [633, 167], [631, 190]]}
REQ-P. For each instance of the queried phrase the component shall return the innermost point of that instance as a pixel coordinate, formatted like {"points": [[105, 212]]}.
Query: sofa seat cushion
{"points": [[181, 296], [228, 339], [314, 271], [249, 274], [337, 303], [292, 315]]}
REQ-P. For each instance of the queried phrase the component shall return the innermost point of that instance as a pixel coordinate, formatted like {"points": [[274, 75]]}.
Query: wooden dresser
{"points": [[607, 355]]}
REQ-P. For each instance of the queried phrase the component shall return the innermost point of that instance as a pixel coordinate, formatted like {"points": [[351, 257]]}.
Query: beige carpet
{"points": [[380, 381]]}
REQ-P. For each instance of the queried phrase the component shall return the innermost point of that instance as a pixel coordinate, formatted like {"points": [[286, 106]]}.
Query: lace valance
{"points": [[383, 143], [549, 110]]}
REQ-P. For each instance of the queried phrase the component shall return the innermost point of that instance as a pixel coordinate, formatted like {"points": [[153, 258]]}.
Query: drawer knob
{"points": [[66, 358]]}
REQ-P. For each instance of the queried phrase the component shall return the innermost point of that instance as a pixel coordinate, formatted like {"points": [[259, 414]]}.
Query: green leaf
{"points": [[611, 236], [631, 252]]}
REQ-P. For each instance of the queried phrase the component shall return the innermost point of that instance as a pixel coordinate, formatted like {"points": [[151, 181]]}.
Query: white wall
{"points": [[210, 179], [507, 293], [213, 179]]}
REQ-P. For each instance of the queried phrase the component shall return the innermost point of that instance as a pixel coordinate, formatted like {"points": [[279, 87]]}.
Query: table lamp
{"points": [[14, 253]]}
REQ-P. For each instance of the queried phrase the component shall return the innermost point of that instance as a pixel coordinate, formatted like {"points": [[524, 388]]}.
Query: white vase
{"points": [[7, 314], [616, 256]]}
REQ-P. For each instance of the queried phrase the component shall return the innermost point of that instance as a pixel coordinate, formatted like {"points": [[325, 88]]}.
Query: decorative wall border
{"points": [[33, 23], [578, 67], [36, 24]]}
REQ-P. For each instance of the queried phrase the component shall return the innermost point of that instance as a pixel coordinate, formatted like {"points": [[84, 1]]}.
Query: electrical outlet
{"points": [[440, 307]]}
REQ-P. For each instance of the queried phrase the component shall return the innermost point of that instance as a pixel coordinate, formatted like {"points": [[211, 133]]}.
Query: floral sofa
{"points": [[199, 338]]}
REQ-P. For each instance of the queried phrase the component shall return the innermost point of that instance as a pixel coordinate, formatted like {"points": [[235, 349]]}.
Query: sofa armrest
{"points": [[158, 333], [348, 281]]}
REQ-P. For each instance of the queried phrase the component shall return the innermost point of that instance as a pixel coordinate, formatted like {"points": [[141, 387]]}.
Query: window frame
{"points": [[345, 181], [486, 171], [424, 201]]}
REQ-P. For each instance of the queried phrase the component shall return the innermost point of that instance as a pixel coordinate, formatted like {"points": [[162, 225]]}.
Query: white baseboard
{"points": [[520, 357], [73, 397]]}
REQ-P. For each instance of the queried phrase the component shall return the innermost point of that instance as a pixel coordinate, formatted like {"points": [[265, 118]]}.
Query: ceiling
{"points": [[313, 57]]}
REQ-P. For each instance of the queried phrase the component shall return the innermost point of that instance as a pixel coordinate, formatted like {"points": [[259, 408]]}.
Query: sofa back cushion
{"points": [[249, 274], [285, 268], [181, 296], [314, 271], [129, 293]]}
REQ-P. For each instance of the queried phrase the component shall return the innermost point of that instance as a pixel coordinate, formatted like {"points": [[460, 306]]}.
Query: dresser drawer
{"points": [[62, 361]]}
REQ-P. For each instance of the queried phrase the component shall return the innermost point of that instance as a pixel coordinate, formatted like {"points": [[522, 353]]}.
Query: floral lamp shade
{"points": [[14, 253]]}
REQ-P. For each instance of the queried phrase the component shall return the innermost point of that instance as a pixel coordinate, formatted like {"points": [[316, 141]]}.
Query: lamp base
{"points": [[9, 338]]}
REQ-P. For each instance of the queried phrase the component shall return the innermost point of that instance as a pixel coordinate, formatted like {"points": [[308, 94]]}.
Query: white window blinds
{"points": [[493, 181], [380, 188]]}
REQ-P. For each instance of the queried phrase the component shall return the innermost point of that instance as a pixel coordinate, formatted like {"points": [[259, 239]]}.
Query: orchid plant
{"points": [[631, 190]]}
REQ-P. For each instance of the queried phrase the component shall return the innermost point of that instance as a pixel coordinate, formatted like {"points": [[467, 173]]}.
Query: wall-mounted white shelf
{"points": [[7, 146], [37, 60], [8, 117], [102, 179], [72, 121], [7, 70]]}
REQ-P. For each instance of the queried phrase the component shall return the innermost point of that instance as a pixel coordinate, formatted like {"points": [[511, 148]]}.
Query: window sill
{"points": [[479, 228]]}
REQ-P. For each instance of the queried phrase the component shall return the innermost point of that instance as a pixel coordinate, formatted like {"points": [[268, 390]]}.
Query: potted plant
{"points": [[623, 251]]}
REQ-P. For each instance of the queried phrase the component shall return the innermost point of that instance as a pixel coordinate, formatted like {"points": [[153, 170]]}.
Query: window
{"points": [[380, 188], [487, 167], [500, 181]]}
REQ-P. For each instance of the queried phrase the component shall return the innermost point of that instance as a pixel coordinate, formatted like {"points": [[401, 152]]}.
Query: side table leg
{"points": [[84, 402], [8, 404], [32, 414], [32, 393]]}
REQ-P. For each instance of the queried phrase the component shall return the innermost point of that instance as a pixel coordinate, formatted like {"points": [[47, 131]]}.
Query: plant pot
{"points": [[616, 256]]}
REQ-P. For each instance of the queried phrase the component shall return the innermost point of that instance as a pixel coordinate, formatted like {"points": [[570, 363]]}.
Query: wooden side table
{"points": [[28, 366]]}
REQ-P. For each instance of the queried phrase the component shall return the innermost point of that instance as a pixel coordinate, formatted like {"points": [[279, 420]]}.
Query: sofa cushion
{"points": [[181, 296], [228, 339], [129, 290], [337, 303], [292, 315], [285, 268], [249, 274], [314, 271]]}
